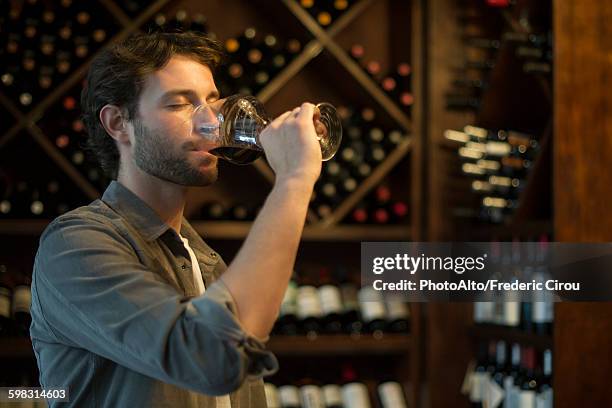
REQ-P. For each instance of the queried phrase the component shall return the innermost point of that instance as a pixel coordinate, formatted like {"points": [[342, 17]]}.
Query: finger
{"points": [[295, 112], [280, 119], [306, 112]]}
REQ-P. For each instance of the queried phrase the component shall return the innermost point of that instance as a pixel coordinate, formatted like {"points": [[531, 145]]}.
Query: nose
{"points": [[206, 122]]}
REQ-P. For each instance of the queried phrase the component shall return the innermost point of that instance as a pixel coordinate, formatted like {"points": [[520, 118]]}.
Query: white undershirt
{"points": [[222, 401]]}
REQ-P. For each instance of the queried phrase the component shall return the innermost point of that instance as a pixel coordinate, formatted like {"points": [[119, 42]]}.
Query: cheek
{"points": [[175, 126]]}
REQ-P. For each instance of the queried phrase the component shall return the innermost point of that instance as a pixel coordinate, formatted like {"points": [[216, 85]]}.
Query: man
{"points": [[130, 307]]}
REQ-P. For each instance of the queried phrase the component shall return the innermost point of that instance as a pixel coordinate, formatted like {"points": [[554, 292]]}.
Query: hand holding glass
{"points": [[234, 124]]}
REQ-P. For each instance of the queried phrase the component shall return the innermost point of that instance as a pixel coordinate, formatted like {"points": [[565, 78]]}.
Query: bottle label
{"points": [[5, 303], [272, 398], [372, 306], [512, 313], [477, 386], [330, 299], [538, 314], [349, 297], [391, 395], [308, 304], [484, 312], [527, 399], [332, 395], [355, 395], [289, 396], [22, 298], [547, 365], [311, 397], [397, 310]]}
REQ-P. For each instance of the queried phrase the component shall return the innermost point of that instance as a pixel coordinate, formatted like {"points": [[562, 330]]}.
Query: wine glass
{"points": [[234, 124]]}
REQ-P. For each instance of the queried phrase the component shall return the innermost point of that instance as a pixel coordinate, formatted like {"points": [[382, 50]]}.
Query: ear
{"points": [[115, 123]]}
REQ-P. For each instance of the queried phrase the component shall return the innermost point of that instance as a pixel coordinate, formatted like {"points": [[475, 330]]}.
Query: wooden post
{"points": [[582, 191]]}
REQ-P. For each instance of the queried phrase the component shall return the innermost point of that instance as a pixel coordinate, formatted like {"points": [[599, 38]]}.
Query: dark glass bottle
{"points": [[331, 304], [287, 322], [545, 382], [511, 379], [309, 311], [529, 383], [351, 320], [372, 311], [398, 316]]}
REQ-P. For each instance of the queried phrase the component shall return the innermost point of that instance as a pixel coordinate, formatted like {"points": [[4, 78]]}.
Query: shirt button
{"points": [[183, 266], [214, 255]]}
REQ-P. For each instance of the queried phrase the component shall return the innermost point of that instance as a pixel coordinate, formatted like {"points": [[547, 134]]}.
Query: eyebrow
{"points": [[187, 93]]}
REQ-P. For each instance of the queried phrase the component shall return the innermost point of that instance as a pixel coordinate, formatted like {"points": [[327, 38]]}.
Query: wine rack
{"points": [[49, 125], [322, 40]]}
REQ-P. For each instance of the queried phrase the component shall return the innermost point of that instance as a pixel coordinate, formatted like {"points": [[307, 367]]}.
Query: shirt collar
{"points": [[135, 210]]}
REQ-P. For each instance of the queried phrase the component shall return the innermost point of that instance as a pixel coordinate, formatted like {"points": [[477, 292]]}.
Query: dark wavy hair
{"points": [[117, 75]]}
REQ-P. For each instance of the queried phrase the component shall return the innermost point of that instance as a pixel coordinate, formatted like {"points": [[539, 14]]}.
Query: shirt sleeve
{"points": [[96, 294]]}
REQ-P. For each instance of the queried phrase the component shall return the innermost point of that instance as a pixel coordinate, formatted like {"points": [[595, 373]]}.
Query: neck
{"points": [[165, 198]]}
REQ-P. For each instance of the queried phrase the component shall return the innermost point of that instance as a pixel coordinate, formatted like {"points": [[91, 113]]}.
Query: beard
{"points": [[155, 154]]}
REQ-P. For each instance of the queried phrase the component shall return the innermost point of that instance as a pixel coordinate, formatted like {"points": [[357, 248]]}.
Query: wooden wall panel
{"points": [[583, 190]]}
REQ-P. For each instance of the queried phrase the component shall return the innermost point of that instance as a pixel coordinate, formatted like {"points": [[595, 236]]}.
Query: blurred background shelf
{"points": [[339, 345], [487, 333]]}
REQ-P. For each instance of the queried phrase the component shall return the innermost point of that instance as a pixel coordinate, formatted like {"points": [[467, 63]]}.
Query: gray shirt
{"points": [[116, 318]]}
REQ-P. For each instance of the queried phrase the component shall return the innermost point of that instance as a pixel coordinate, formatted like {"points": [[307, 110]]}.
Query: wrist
{"points": [[295, 183]]}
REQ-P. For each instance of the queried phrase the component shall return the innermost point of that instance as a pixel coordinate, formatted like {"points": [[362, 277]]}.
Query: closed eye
{"points": [[179, 105]]}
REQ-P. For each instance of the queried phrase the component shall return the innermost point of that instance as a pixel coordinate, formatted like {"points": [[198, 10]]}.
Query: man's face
{"points": [[164, 143]]}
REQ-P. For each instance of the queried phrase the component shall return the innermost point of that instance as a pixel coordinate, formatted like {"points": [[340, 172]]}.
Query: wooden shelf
{"points": [[16, 347], [239, 230], [504, 232], [330, 345], [389, 344], [28, 227], [510, 335]]}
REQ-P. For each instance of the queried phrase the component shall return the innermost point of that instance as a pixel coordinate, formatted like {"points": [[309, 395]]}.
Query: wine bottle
{"points": [[529, 384], [309, 310], [351, 321], [544, 397], [22, 299], [372, 311], [286, 324], [543, 307], [359, 215], [357, 52], [479, 377], [511, 390], [213, 210], [331, 307], [501, 364], [373, 69], [458, 102], [398, 316]]}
